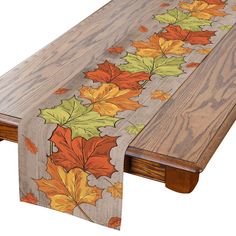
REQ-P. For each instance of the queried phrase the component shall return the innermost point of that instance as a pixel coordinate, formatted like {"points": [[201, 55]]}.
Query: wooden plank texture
{"points": [[191, 125]]}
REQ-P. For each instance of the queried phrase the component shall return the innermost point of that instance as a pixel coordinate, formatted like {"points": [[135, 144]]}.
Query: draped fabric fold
{"points": [[72, 145]]}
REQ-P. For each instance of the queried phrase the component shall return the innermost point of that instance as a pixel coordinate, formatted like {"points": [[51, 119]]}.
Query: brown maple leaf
{"points": [[116, 50], [30, 146], [67, 190], [109, 73], [114, 222], [92, 156], [29, 198], [108, 99], [193, 37], [158, 46]]}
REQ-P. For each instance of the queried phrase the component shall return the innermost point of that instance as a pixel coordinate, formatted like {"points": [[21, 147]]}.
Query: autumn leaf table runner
{"points": [[72, 144]]}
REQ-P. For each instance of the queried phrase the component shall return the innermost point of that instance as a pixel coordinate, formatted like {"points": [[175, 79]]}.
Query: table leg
{"points": [[181, 181]]}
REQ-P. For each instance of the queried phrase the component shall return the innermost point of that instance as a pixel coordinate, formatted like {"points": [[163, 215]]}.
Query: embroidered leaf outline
{"points": [[108, 99], [92, 156], [31, 147], [67, 191], [82, 120], [203, 10], [110, 73], [175, 32], [184, 20], [162, 66], [158, 46], [134, 129]]}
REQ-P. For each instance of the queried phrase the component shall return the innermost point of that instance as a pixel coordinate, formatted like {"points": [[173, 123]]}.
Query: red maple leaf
{"points": [[109, 73], [91, 155], [192, 37], [29, 198]]}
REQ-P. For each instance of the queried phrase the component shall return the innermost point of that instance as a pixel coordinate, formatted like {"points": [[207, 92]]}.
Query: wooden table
{"points": [[182, 137]]}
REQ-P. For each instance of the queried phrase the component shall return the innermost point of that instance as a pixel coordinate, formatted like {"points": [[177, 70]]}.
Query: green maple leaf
{"points": [[162, 66], [134, 129], [182, 19], [81, 119]]}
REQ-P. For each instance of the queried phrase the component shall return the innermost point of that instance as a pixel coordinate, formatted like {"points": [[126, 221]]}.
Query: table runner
{"points": [[72, 146]]}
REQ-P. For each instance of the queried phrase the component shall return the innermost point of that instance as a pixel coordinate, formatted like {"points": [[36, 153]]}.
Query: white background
{"points": [[149, 208]]}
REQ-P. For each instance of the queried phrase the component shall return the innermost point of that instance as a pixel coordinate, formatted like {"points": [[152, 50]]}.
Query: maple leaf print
{"points": [[184, 20], [82, 120], [29, 198], [160, 95], [116, 190], [68, 190], [108, 99], [159, 65], [175, 32], [92, 156], [203, 10], [109, 73], [157, 46], [31, 147]]}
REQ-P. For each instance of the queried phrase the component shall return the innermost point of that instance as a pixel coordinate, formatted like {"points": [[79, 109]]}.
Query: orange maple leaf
{"points": [[161, 95], [204, 51], [61, 91], [68, 190], [175, 32], [143, 29], [108, 99], [116, 50], [92, 156], [215, 2], [203, 10], [158, 46], [109, 73], [114, 222], [192, 65], [29, 198], [116, 190], [30, 146], [164, 4]]}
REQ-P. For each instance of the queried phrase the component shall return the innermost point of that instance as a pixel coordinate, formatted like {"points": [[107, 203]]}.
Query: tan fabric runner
{"points": [[72, 146]]}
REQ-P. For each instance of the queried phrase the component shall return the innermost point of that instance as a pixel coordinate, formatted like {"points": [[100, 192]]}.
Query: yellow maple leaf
{"points": [[108, 99], [204, 51], [161, 95], [203, 10], [234, 8], [68, 190], [116, 190], [158, 46]]}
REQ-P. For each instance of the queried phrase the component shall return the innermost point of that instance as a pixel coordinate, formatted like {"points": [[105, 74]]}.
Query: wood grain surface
{"points": [[191, 125], [47, 70]]}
